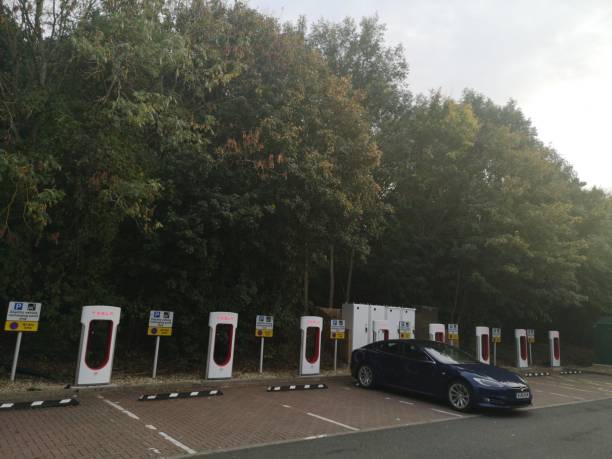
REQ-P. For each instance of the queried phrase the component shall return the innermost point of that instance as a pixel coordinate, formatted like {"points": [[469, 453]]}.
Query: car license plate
{"points": [[522, 395]]}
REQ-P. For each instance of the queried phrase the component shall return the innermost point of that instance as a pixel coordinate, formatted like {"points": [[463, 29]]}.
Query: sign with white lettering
{"points": [[22, 316], [160, 323]]}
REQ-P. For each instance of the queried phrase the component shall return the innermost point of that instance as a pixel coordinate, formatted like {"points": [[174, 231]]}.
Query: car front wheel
{"points": [[365, 376], [460, 396]]}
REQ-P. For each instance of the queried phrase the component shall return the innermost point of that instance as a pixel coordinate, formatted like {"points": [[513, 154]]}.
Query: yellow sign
{"points": [[453, 336], [265, 333], [337, 335], [159, 331], [496, 339], [12, 325], [405, 335]]}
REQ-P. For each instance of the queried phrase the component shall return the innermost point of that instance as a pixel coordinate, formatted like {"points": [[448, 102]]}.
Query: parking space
{"points": [[114, 423]]}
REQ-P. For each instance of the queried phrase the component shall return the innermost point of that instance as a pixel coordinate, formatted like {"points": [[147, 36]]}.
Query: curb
{"points": [[537, 373], [296, 387], [172, 395], [6, 406]]}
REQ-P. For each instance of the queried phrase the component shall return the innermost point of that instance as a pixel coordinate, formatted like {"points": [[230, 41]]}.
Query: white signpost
{"points": [[264, 328], [496, 338], [160, 324], [21, 317], [337, 331]]}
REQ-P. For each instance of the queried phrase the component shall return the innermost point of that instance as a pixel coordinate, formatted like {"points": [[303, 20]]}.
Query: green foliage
{"points": [[198, 156]]}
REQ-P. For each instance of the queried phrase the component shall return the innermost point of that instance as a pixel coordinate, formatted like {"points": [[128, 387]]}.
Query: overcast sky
{"points": [[554, 57]]}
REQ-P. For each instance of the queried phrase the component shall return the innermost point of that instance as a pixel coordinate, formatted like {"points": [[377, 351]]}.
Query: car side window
{"points": [[414, 353], [392, 347]]}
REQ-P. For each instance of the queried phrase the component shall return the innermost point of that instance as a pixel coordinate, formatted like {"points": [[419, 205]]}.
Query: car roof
{"points": [[415, 341]]}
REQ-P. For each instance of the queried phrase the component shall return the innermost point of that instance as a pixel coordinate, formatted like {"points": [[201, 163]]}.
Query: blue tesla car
{"points": [[440, 370]]}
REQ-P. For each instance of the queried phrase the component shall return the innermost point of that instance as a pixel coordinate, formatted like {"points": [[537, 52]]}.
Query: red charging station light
{"points": [[224, 334], [484, 346], [312, 351], [385, 335], [556, 349], [523, 347], [440, 337], [99, 339]]}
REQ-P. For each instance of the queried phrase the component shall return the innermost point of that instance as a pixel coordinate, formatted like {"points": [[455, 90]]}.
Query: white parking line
{"points": [[575, 388], [406, 403], [333, 422], [287, 406], [567, 396], [177, 443], [314, 437], [120, 408], [447, 412]]}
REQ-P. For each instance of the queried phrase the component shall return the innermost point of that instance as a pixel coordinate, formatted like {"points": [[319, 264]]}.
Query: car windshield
{"points": [[447, 354]]}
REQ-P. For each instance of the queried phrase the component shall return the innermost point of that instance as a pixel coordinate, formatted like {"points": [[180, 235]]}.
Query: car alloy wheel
{"points": [[459, 396], [365, 376]]}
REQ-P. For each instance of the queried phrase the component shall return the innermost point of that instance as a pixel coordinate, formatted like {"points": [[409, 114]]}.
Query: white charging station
{"points": [[97, 345], [522, 354], [483, 347], [360, 320], [437, 332], [393, 315], [221, 344], [380, 330], [375, 312], [310, 349], [356, 317], [555, 348]]}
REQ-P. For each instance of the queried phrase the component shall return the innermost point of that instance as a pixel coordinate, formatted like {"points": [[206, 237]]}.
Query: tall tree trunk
{"points": [[306, 280], [457, 287], [349, 281], [332, 279]]}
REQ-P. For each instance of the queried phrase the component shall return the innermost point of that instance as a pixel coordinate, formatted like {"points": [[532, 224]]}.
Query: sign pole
{"points": [[261, 355], [335, 354], [16, 357], [494, 353], [156, 356]]}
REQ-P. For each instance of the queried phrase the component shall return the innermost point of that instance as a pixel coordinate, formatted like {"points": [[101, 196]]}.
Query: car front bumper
{"points": [[501, 398]]}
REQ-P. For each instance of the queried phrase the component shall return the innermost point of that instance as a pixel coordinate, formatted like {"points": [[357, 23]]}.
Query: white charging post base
{"points": [[522, 356], [98, 325], [310, 356], [221, 343], [437, 332], [555, 348], [482, 345]]}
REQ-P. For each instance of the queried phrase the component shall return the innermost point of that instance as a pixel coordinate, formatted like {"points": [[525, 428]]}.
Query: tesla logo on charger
{"points": [[102, 313], [226, 318]]}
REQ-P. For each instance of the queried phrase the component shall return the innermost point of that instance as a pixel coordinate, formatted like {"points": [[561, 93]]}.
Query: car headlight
{"points": [[523, 380], [486, 382]]}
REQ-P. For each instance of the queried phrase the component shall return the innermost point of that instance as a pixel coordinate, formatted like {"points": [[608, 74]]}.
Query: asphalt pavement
{"points": [[581, 430]]}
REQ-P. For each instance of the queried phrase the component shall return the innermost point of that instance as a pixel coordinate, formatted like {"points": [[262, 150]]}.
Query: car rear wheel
{"points": [[460, 396], [365, 376]]}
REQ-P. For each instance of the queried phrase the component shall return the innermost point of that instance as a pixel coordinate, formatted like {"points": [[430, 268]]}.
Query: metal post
{"points": [[16, 356], [261, 355], [335, 354], [156, 356], [494, 354]]}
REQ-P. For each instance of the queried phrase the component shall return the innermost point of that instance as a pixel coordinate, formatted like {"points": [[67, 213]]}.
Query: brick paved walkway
{"points": [[113, 423]]}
